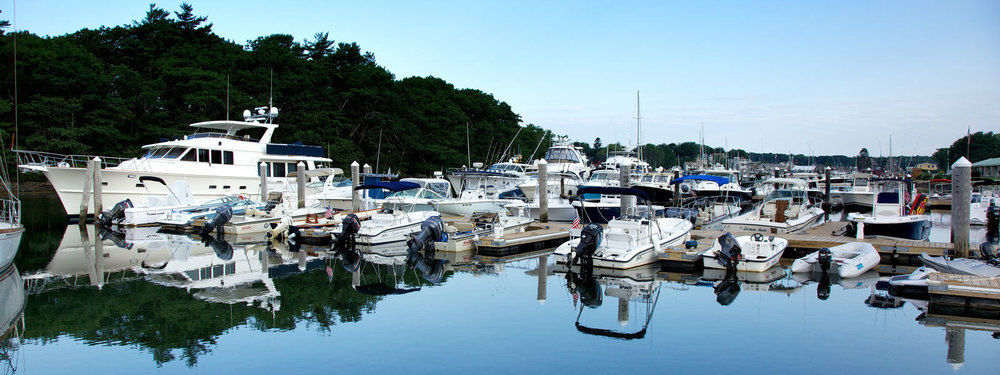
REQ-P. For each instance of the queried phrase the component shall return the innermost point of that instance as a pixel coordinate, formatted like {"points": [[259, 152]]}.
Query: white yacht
{"points": [[215, 163], [503, 178], [787, 209], [390, 225], [560, 183], [620, 158], [564, 157]]}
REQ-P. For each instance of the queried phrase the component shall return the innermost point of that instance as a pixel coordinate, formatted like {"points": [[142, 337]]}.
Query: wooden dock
{"points": [[535, 237], [965, 295]]}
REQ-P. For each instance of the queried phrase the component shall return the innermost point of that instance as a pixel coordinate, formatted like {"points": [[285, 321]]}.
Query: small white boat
{"points": [[787, 209], [847, 260], [960, 266], [755, 253], [391, 225]]}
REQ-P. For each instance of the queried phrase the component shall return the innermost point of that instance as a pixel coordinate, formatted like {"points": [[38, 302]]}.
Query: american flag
{"points": [[576, 222], [329, 212]]}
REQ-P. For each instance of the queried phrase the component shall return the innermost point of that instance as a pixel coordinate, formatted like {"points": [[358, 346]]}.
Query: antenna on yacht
{"points": [[378, 154], [227, 97], [540, 139], [468, 148], [270, 90]]}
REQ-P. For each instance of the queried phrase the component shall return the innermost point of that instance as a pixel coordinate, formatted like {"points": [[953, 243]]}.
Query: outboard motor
{"points": [[992, 220], [728, 288], [432, 269], [116, 213], [987, 252], [825, 259], [222, 216], [586, 287], [823, 289], [349, 227], [730, 251], [431, 230], [590, 238], [349, 259]]}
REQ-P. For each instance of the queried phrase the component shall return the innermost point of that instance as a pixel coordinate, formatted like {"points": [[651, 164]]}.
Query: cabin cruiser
{"points": [[657, 186], [560, 209], [860, 196], [562, 156], [559, 184], [631, 240], [216, 163], [618, 159], [503, 178], [712, 186], [891, 215], [787, 209]]}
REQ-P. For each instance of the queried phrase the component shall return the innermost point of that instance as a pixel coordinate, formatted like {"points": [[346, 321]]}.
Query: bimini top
{"points": [[701, 177], [611, 191], [799, 183], [392, 186]]}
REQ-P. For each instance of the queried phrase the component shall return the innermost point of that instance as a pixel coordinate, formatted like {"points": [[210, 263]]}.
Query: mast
{"points": [[638, 127]]}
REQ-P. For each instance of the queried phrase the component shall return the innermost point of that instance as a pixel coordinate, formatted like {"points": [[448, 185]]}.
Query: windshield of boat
{"points": [[561, 155], [785, 194], [604, 176], [504, 167], [416, 193]]}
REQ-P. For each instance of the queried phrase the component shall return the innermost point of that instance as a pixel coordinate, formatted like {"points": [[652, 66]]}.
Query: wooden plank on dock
{"points": [[963, 285]]}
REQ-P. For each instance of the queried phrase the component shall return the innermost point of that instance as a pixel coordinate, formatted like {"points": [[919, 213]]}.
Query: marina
{"points": [[499, 188]]}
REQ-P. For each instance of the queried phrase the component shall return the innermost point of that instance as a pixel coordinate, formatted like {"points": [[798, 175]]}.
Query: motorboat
{"points": [[183, 218], [503, 178], [607, 207], [631, 240], [961, 266], [707, 211], [560, 183], [220, 161], [154, 209], [982, 202], [390, 225], [423, 195], [860, 197], [787, 209], [563, 156], [657, 186], [891, 216], [715, 182], [617, 159], [911, 284], [753, 253], [462, 233], [848, 260], [560, 209]]}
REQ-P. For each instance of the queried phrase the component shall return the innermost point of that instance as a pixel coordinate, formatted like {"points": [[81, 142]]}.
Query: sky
{"points": [[809, 77]]}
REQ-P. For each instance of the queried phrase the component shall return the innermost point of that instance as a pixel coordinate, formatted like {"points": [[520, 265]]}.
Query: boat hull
{"points": [[10, 240], [790, 227], [918, 229]]}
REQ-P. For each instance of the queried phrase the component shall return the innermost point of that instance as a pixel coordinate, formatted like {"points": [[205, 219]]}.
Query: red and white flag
{"points": [[576, 222]]}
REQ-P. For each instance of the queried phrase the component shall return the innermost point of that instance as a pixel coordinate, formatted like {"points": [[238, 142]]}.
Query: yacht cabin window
{"points": [[191, 155]]}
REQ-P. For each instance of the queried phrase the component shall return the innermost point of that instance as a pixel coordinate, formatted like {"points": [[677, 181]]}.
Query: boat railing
{"points": [[10, 211], [49, 159]]}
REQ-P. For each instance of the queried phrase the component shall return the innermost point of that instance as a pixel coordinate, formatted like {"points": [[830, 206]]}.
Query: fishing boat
{"points": [[787, 209], [860, 197], [220, 160], [500, 177], [183, 218], [848, 260], [630, 240], [657, 186], [390, 225], [891, 216], [754, 253]]}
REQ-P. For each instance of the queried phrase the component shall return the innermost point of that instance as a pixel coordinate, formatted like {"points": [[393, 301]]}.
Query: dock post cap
{"points": [[98, 159], [263, 164], [355, 164], [828, 168], [302, 164], [961, 162], [367, 166], [542, 161]]}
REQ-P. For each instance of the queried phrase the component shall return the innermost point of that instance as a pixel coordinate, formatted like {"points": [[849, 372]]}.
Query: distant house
{"points": [[987, 168], [922, 168]]}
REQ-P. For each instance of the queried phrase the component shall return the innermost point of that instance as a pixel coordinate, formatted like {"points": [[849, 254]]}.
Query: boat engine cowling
{"points": [[116, 213], [825, 259], [729, 251], [349, 227], [222, 216], [590, 238], [431, 230], [992, 220]]}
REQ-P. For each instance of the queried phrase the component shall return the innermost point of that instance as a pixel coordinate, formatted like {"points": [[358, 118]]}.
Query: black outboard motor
{"points": [[432, 269], [987, 252], [825, 259], [222, 216], [349, 259], [431, 230], [823, 289], [992, 220], [728, 288], [730, 252], [116, 213], [349, 227], [587, 287], [590, 238]]}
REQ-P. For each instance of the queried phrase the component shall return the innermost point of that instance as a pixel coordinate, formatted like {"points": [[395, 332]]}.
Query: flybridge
{"points": [[259, 118]]}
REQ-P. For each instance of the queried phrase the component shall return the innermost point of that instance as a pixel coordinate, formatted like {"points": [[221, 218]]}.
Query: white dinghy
{"points": [[848, 260], [753, 253]]}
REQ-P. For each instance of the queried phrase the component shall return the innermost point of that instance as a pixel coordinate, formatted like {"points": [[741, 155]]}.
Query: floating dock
{"points": [[537, 236], [976, 296]]}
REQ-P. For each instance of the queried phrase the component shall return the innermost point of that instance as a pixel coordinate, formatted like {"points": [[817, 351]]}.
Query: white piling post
{"points": [[355, 182], [543, 273], [961, 196], [543, 191], [262, 171], [367, 169], [88, 183], [98, 188], [624, 172], [300, 178]]}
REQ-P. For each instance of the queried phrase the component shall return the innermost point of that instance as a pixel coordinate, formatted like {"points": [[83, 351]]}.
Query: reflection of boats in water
{"points": [[12, 301], [636, 284]]}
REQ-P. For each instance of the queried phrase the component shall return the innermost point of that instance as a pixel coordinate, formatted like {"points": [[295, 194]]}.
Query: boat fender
{"points": [[116, 213]]}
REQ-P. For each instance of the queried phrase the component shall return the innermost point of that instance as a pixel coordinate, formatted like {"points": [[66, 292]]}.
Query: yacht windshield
{"points": [[561, 155]]}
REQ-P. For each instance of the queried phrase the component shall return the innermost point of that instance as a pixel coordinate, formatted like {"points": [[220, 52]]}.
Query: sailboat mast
{"points": [[638, 126]]}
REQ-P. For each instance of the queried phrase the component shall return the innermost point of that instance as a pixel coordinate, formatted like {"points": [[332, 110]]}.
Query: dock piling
{"points": [[961, 188], [543, 191], [677, 189], [262, 171], [88, 182], [826, 195], [300, 178], [624, 171], [98, 189], [355, 182]]}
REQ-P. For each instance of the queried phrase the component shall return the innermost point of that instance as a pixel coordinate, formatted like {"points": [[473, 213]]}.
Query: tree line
{"points": [[110, 90]]}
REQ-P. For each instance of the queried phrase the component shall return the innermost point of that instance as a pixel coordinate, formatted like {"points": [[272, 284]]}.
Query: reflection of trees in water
{"points": [[8, 352], [164, 319]]}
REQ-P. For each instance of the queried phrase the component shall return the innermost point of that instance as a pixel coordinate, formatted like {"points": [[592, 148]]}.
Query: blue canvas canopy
{"points": [[393, 186], [612, 191], [701, 177]]}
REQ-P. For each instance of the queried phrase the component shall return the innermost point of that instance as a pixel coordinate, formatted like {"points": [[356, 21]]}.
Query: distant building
{"points": [[987, 168], [929, 167]]}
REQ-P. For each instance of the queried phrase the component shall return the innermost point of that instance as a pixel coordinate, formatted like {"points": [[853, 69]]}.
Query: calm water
{"points": [[137, 308]]}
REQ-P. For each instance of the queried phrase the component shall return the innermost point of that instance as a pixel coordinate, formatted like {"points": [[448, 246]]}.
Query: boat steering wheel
{"points": [[757, 237]]}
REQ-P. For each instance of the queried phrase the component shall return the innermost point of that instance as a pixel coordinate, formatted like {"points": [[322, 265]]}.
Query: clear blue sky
{"points": [[797, 76]]}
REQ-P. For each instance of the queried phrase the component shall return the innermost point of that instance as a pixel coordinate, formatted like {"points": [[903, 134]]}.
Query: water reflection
{"points": [[12, 324]]}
